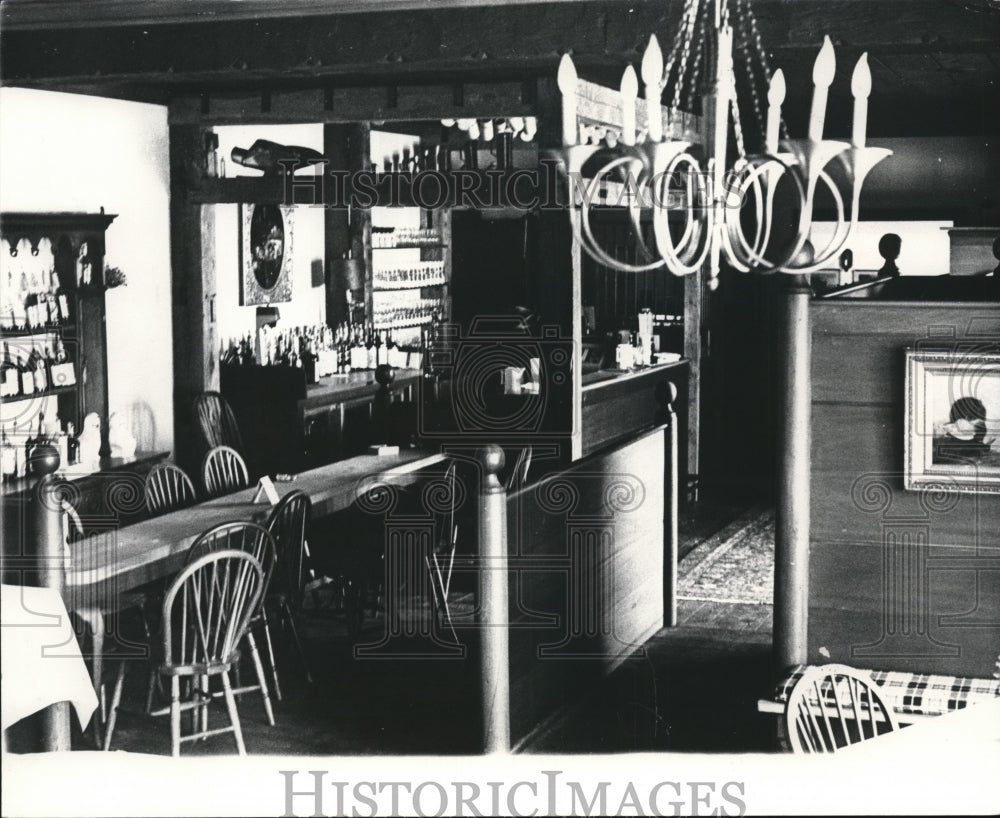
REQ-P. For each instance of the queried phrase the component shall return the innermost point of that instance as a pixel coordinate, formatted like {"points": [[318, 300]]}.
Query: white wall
{"points": [[925, 248], [308, 304], [64, 152]]}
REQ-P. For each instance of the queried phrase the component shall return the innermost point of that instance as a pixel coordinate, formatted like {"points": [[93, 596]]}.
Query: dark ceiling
{"points": [[935, 63]]}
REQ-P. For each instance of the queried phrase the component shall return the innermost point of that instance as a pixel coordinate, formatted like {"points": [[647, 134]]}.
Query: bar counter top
{"points": [[360, 383], [606, 377]]}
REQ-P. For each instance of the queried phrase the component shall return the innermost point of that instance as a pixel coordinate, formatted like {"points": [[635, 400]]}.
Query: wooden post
{"points": [[347, 232], [671, 510], [791, 546], [493, 581], [192, 264], [48, 542]]}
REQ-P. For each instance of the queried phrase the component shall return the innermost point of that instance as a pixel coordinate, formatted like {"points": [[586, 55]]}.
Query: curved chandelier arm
{"points": [[587, 239], [690, 251], [739, 252], [762, 181]]}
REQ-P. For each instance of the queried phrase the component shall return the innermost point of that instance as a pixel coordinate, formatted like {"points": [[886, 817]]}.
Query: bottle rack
{"points": [[402, 238], [409, 288], [410, 277], [72, 245]]}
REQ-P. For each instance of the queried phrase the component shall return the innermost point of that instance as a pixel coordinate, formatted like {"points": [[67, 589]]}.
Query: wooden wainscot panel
{"points": [[589, 543], [615, 409], [905, 605]]}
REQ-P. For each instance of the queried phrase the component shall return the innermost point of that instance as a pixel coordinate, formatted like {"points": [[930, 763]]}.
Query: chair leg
{"points": [[116, 699], [234, 715], [298, 642], [175, 716], [151, 684], [269, 646], [261, 679], [205, 694]]}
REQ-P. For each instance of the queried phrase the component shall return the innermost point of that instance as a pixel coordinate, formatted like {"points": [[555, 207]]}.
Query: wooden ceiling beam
{"points": [[519, 38], [406, 103]]}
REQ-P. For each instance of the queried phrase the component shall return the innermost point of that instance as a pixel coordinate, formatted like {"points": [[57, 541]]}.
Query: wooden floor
{"points": [[690, 688]]}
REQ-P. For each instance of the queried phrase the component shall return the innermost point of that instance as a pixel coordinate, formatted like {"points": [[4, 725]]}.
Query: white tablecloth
{"points": [[41, 661]]}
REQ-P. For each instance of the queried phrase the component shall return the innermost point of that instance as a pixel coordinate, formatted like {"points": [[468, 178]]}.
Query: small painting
{"points": [[265, 254], [953, 420]]}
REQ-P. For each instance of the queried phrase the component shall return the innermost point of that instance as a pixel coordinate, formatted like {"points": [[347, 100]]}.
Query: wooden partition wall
{"points": [[900, 580], [586, 558]]}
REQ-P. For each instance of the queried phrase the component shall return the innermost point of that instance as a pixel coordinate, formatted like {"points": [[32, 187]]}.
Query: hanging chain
{"points": [[690, 16], [699, 38], [746, 32], [765, 65]]}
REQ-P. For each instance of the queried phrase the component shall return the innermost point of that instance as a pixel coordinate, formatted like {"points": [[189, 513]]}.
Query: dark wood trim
{"points": [[192, 264]]}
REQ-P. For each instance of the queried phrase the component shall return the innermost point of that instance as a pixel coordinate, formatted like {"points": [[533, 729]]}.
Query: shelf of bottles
{"points": [[405, 238], [409, 277], [321, 351], [34, 314]]}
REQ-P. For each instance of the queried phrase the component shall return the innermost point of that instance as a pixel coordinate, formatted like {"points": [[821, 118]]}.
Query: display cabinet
{"points": [[52, 321]]}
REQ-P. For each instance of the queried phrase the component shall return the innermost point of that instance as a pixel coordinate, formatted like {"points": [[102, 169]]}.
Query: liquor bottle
{"points": [[390, 349], [353, 356], [20, 465], [40, 371], [72, 445], [378, 348], [26, 374], [62, 303], [370, 361], [8, 458], [21, 303], [211, 162], [10, 383], [267, 156], [35, 305], [36, 439]]}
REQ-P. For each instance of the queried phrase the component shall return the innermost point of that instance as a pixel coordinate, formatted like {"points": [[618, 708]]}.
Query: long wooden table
{"points": [[107, 565], [155, 548]]}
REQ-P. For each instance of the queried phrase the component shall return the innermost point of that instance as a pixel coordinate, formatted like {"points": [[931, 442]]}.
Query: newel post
{"points": [[672, 512], [791, 542], [48, 542], [493, 587]]}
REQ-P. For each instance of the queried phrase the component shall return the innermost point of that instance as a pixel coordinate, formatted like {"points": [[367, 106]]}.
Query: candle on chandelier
{"points": [[775, 96], [629, 90], [823, 71], [652, 73], [861, 87], [566, 80]]}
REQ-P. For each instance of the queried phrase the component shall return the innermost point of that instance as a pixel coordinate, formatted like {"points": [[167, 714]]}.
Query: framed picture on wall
{"points": [[266, 232], [952, 430]]}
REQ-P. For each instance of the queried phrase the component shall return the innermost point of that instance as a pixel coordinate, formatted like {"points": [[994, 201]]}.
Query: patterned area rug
{"points": [[736, 565]]}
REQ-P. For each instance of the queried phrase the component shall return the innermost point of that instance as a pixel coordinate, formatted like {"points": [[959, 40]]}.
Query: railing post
{"points": [[493, 588], [672, 511], [791, 542], [48, 544]]}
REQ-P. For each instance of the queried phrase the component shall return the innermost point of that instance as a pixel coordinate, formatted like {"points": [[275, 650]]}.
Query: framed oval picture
{"points": [[265, 254]]}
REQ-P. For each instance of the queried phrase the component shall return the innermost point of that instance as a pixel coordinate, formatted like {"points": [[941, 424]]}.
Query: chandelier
{"points": [[702, 208]]}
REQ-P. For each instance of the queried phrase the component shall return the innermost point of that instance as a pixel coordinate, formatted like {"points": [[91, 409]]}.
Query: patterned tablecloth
{"points": [[914, 693]]}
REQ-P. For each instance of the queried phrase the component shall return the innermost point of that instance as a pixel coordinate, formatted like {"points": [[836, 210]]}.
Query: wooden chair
{"points": [[224, 470], [206, 612], [258, 542], [833, 706], [168, 488], [287, 524], [519, 473], [441, 560], [216, 422]]}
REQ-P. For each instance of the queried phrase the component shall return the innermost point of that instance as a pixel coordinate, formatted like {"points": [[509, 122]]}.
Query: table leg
{"points": [[94, 619]]}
